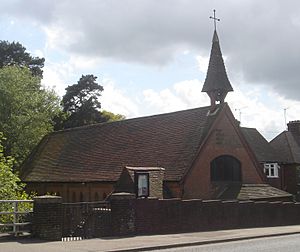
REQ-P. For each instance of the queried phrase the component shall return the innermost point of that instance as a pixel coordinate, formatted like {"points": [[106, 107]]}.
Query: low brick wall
{"points": [[47, 217], [131, 216], [122, 214], [176, 216]]}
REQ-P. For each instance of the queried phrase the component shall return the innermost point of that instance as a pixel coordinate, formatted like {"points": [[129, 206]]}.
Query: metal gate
{"points": [[86, 219]]}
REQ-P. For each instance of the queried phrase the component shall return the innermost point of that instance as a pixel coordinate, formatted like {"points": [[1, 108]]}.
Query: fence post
{"points": [[47, 217], [123, 214], [15, 216]]}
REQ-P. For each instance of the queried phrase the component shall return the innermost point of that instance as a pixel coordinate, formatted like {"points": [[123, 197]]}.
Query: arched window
{"points": [[225, 168]]}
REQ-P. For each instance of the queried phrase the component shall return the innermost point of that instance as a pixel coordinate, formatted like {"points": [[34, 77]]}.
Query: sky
{"points": [[151, 56]]}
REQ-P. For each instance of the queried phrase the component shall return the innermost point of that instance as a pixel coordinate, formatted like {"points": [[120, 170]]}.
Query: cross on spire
{"points": [[215, 19]]}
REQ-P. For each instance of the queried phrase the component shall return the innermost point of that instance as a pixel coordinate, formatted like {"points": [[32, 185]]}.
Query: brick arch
{"points": [[225, 168]]}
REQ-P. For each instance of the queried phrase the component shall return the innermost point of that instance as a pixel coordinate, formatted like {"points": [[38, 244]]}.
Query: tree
{"points": [[10, 186], [26, 111], [111, 117], [14, 54], [81, 105], [81, 102]]}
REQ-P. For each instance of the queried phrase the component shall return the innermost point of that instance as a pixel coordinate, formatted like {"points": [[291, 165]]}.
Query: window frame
{"points": [[271, 170], [137, 175]]}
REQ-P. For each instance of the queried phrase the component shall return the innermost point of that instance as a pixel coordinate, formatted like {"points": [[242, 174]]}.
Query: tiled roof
{"points": [[288, 145], [216, 77], [253, 192], [99, 152], [260, 191], [263, 151]]}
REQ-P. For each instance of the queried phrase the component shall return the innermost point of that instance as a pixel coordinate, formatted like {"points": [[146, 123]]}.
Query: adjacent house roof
{"points": [[288, 144], [216, 77], [253, 192], [262, 149], [99, 152]]}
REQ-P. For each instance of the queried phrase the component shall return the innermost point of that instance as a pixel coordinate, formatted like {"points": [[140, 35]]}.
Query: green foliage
{"points": [[81, 102], [11, 187], [111, 117], [81, 105], [14, 54], [26, 111], [59, 120]]}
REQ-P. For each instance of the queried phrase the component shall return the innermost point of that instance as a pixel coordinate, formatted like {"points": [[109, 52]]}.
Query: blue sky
{"points": [[151, 56]]}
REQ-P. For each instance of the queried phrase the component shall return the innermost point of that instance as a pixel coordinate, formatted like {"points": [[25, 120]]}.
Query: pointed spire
{"points": [[216, 83], [215, 37]]}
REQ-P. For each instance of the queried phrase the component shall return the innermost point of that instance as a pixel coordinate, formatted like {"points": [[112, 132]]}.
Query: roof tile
{"points": [[99, 152]]}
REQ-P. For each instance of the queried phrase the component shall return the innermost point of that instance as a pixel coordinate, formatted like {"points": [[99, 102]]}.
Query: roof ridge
{"points": [[124, 121], [168, 140], [283, 132]]}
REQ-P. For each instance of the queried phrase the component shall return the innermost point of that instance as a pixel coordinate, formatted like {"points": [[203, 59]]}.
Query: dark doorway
{"points": [[225, 168]]}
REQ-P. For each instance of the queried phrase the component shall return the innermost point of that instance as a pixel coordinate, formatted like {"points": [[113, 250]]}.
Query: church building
{"points": [[200, 153]]}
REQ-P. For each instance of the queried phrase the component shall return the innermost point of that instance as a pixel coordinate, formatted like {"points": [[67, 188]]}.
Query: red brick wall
{"points": [[174, 188], [47, 218], [289, 178], [177, 216], [130, 216], [275, 182], [224, 140]]}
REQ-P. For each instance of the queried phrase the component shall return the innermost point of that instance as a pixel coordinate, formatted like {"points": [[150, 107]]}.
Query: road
{"points": [[287, 240], [287, 243]]}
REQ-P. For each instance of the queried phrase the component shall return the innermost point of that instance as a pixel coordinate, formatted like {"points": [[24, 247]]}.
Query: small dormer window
{"points": [[271, 170]]}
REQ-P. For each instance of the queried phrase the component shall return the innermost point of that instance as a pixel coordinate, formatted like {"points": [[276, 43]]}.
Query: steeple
{"points": [[216, 83]]}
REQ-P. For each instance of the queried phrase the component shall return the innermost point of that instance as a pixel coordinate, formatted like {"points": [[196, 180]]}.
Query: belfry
{"points": [[216, 83]]}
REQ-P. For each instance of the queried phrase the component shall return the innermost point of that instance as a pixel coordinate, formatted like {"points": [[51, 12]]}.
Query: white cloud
{"points": [[164, 100], [202, 63], [292, 108], [83, 63], [182, 95], [64, 73], [144, 35], [59, 38], [265, 115], [38, 53], [58, 75], [117, 101]]}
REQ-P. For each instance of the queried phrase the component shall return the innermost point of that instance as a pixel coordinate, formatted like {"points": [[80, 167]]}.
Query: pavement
{"points": [[142, 243]]}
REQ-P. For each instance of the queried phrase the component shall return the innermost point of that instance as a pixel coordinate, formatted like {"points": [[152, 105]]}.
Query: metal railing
{"points": [[15, 216], [83, 220]]}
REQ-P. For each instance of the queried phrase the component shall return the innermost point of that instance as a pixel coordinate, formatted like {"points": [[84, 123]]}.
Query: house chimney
{"points": [[294, 127]]}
